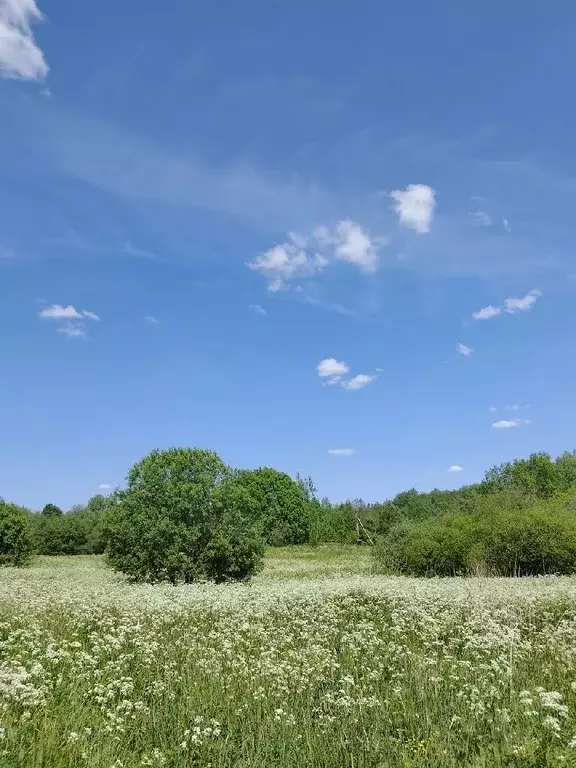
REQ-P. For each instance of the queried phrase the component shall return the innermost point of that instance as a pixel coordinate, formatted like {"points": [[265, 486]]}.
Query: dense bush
{"points": [[182, 517], [16, 536], [281, 509], [505, 536]]}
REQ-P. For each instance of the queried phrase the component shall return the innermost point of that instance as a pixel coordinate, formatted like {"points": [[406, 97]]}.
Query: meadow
{"points": [[318, 661]]}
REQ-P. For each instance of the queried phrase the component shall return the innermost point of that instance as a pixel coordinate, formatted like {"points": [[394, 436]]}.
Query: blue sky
{"points": [[265, 228]]}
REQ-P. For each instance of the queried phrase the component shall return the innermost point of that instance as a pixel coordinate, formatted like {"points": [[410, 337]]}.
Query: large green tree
{"points": [[282, 506], [181, 518]]}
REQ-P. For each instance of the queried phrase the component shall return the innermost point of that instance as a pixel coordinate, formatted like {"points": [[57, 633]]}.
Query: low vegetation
{"points": [[312, 664]]}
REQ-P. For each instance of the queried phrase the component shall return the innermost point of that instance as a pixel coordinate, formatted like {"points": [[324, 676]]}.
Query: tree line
{"points": [[184, 515]]}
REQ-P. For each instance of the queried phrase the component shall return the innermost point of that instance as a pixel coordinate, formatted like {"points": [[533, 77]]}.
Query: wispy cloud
{"points": [[104, 486], [464, 350], [455, 468], [359, 381], [257, 309], [342, 451], [285, 262], [151, 319], [509, 423], [511, 306], [415, 206], [486, 313], [73, 319], [482, 218], [524, 304], [20, 57], [72, 331]]}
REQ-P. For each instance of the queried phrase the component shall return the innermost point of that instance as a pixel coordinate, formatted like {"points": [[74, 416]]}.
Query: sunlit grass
{"points": [[317, 662]]}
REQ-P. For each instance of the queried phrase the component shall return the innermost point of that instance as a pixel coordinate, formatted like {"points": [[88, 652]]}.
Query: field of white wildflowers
{"points": [[316, 663]]}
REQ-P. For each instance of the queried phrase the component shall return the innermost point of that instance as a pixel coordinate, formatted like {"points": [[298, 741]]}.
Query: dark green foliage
{"points": [[16, 536], [282, 506], [507, 535], [78, 532], [51, 510], [182, 518]]}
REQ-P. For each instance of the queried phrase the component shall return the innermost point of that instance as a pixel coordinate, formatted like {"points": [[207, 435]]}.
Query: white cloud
{"points": [[151, 319], [359, 381], [355, 246], [90, 315], [74, 325], [455, 468], [332, 370], [509, 423], [306, 256], [506, 225], [511, 305], [60, 312], [482, 218], [285, 262], [20, 57], [415, 206], [524, 304], [104, 487], [257, 309], [464, 350], [72, 331], [487, 312], [492, 408], [342, 451]]}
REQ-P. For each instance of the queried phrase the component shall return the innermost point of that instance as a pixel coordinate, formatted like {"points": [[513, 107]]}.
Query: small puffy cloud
{"points": [[341, 451], [486, 313], [20, 57], [506, 225], [415, 206], [257, 309], [524, 304], [482, 218], [464, 350], [355, 246], [59, 312], [285, 262], [306, 256], [509, 423], [104, 486], [332, 370], [359, 381], [455, 468]]}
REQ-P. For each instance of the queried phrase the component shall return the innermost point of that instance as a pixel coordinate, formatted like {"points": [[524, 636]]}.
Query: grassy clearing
{"points": [[318, 662]]}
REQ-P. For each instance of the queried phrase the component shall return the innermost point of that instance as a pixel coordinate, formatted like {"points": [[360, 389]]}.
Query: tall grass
{"points": [[322, 667]]}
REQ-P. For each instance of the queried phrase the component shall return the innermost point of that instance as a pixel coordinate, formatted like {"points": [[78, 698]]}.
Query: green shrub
{"points": [[182, 518], [528, 542], [441, 547], [16, 535]]}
